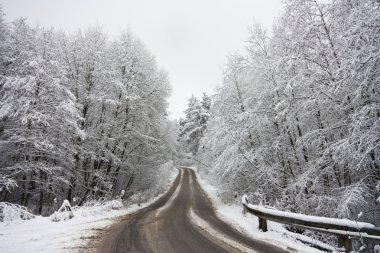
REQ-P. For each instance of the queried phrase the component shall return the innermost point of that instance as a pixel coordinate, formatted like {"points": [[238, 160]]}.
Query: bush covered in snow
{"points": [[13, 212], [93, 208], [65, 212], [60, 216]]}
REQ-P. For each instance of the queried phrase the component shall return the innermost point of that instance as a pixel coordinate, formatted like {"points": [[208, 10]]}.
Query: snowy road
{"points": [[183, 220]]}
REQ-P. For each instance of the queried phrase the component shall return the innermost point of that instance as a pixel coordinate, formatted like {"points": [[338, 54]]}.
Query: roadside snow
{"points": [[42, 235], [248, 224], [169, 203], [216, 234]]}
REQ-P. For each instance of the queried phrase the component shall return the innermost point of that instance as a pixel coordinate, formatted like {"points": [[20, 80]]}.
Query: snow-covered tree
{"points": [[81, 117], [296, 118], [39, 116], [195, 123]]}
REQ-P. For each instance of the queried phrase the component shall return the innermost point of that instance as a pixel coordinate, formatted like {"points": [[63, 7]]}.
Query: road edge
{"points": [[102, 234]]}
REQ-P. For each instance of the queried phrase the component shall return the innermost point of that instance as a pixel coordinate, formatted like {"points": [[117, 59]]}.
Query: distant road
{"points": [[183, 221]]}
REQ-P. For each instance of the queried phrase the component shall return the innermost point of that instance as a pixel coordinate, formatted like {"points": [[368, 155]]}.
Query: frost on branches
{"points": [[194, 125], [296, 122], [12, 212], [81, 117]]}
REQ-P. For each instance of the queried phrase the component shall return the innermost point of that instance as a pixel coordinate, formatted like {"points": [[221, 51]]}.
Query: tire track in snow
{"points": [[169, 203], [183, 221]]}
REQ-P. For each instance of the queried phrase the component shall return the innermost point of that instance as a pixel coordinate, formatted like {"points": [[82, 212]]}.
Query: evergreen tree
{"points": [[195, 123]]}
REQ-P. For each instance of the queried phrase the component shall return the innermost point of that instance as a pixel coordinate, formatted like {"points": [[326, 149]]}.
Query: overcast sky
{"points": [[190, 39]]}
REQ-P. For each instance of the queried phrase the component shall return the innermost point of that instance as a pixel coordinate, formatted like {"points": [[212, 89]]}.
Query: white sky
{"points": [[190, 39]]}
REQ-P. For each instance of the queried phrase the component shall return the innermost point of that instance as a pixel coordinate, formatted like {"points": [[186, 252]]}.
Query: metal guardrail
{"points": [[343, 228]]}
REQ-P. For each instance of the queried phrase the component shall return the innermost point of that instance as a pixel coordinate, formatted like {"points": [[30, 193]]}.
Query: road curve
{"points": [[183, 220]]}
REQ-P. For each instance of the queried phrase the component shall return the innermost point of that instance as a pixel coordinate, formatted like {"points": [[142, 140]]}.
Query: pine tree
{"points": [[195, 123]]}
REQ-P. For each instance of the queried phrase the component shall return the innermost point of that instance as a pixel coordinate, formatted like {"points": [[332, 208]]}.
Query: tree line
{"points": [[296, 121], [82, 116]]}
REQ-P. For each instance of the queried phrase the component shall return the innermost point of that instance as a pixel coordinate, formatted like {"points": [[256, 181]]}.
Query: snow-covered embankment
{"points": [[248, 224], [42, 235]]}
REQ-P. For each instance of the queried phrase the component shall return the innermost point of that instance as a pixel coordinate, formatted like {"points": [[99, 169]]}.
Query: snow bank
{"points": [[42, 235], [170, 202], [206, 227], [248, 224], [12, 212], [97, 208], [65, 212]]}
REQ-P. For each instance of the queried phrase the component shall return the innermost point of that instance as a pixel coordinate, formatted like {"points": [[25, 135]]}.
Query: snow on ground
{"points": [[248, 224], [43, 235], [216, 234], [170, 202]]}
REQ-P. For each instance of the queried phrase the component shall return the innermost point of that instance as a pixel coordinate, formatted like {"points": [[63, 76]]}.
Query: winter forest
{"points": [[294, 124], [296, 121], [82, 117]]}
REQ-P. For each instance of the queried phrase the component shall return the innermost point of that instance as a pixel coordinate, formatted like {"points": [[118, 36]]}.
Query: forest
{"points": [[82, 116], [295, 123]]}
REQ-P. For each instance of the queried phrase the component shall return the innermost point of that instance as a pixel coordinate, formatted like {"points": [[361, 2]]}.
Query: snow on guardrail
{"points": [[309, 220], [343, 228]]}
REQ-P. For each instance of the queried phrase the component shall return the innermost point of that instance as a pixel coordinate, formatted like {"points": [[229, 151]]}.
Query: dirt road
{"points": [[183, 220]]}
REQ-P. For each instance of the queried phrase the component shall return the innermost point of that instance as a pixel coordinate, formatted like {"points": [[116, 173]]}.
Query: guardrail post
{"points": [[345, 242], [263, 224], [345, 230]]}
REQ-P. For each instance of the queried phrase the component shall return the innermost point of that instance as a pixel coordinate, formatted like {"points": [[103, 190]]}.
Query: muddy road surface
{"points": [[182, 221]]}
